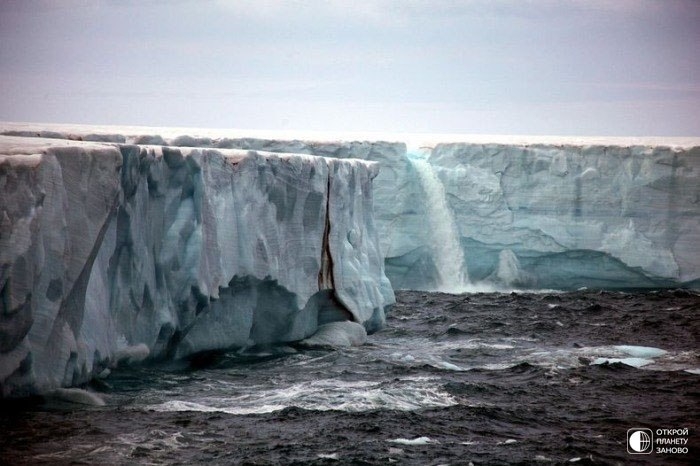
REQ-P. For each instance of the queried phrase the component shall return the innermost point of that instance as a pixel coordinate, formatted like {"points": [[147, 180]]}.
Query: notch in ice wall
{"points": [[113, 250]]}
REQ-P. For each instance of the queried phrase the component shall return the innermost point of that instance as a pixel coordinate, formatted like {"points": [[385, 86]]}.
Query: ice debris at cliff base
{"points": [[343, 333], [112, 252]]}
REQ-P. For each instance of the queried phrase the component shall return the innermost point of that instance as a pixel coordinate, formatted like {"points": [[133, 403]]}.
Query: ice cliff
{"points": [[567, 216], [558, 213], [523, 212], [112, 251]]}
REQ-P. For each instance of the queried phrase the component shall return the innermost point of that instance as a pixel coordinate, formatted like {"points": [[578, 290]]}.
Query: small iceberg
{"points": [[639, 356], [337, 334], [645, 352], [634, 362]]}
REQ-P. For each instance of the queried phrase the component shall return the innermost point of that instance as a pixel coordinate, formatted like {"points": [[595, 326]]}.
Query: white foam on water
{"points": [[497, 346], [649, 358], [433, 353], [449, 366], [328, 394], [76, 396]]}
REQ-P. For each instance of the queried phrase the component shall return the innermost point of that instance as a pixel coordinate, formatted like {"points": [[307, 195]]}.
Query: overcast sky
{"points": [[599, 67]]}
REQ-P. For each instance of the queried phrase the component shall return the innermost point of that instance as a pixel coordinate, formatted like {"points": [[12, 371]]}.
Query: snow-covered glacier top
{"points": [[124, 133]]}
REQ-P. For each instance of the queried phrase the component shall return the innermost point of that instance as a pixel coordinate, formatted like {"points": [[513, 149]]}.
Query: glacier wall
{"points": [[112, 252], [564, 214], [529, 212]]}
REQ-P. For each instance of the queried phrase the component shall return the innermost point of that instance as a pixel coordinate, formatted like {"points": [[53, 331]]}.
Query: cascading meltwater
{"points": [[452, 270]]}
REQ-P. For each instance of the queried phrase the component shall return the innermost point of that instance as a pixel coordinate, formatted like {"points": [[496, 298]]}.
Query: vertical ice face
{"points": [[115, 251], [445, 244], [575, 215]]}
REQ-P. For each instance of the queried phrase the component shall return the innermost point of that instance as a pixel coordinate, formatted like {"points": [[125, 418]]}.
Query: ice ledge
{"points": [[111, 249]]}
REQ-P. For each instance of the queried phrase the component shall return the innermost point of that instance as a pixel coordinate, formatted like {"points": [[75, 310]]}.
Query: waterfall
{"points": [[448, 255]]}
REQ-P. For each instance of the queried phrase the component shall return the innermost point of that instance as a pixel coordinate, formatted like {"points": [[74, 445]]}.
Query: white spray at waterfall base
{"points": [[448, 255]]}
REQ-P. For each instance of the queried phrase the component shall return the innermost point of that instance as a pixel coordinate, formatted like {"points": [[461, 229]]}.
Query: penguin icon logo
{"points": [[640, 441]]}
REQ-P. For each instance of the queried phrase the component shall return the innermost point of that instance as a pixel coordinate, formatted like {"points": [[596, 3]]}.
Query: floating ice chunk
{"points": [[415, 441], [634, 362], [345, 333], [178, 406], [132, 354], [641, 351], [508, 442], [693, 371], [328, 456]]}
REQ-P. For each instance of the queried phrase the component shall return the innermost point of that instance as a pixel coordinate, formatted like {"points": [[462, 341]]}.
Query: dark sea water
{"points": [[482, 378]]}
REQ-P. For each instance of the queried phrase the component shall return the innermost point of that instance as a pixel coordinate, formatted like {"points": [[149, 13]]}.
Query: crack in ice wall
{"points": [[325, 273]]}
